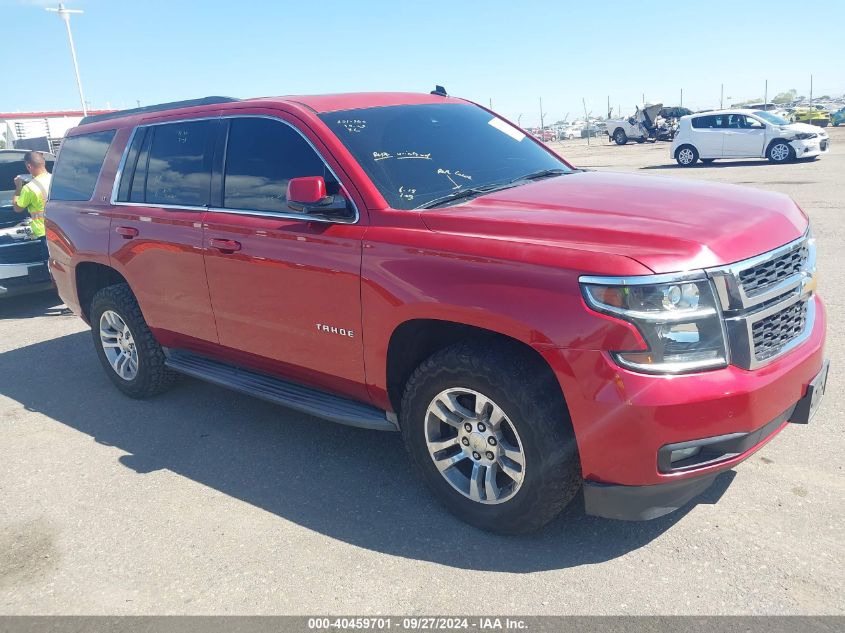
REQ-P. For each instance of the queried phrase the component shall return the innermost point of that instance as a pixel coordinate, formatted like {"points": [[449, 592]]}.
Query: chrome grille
{"points": [[771, 334], [767, 302], [759, 278]]}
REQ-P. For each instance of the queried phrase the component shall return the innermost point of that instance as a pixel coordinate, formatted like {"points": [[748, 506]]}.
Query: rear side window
{"points": [[702, 122], [179, 164], [262, 155], [77, 170]]}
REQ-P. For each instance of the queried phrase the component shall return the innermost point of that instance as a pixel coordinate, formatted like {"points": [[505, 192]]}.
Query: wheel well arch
{"points": [[774, 141], [415, 340], [618, 128], [682, 146], [92, 277]]}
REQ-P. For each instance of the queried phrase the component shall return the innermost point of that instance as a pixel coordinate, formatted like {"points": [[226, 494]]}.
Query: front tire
{"points": [[132, 358], [490, 435], [780, 152], [686, 155]]}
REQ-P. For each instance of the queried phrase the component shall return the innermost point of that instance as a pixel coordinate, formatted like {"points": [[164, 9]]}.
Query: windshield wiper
{"points": [[465, 193], [543, 173]]}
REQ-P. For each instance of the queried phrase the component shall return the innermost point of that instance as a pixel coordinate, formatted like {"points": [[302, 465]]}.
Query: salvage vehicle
{"points": [[837, 118], [639, 127], [745, 134], [416, 263], [815, 116], [23, 263]]}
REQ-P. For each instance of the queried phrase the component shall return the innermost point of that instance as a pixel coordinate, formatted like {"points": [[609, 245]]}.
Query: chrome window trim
{"points": [[249, 212]]}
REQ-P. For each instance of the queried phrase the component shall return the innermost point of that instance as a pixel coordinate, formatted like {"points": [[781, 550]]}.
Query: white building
{"points": [[38, 130]]}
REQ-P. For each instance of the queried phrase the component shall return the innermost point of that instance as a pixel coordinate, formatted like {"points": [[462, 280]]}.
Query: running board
{"points": [[288, 394]]}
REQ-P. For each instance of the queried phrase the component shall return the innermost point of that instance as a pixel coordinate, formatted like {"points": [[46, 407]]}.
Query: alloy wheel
{"points": [[119, 345], [780, 152], [474, 445]]}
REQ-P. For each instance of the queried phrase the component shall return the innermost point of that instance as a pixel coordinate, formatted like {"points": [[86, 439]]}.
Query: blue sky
{"points": [[510, 53]]}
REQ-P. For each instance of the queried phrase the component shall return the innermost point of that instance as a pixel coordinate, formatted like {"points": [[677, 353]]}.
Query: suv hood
{"points": [[666, 224]]}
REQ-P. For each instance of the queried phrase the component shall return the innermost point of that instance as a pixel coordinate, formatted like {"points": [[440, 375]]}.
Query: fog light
{"points": [[684, 453]]}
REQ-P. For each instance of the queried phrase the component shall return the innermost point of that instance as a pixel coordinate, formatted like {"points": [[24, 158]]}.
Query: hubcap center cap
{"points": [[478, 443]]}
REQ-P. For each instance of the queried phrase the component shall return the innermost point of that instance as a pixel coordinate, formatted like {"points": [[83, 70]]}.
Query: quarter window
{"points": [[78, 167], [262, 155]]}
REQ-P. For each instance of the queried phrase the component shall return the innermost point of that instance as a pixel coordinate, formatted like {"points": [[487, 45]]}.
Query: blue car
{"points": [[838, 117]]}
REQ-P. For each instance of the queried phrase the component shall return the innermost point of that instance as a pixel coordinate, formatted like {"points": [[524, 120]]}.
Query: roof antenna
{"points": [[439, 91]]}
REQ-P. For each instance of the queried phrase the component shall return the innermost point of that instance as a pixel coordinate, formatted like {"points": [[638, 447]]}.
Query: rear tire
{"points": [[518, 401], [619, 136], [780, 152], [130, 355], [686, 155]]}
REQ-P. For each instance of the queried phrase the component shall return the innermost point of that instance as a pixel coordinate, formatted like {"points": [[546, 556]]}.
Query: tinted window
{"points": [[702, 122], [130, 164], [416, 154], [179, 165], [262, 155], [80, 160]]}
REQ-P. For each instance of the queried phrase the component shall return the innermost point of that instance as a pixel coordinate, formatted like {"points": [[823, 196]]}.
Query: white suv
{"points": [[745, 134]]}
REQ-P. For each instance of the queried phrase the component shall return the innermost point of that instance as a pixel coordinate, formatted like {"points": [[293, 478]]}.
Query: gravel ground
{"points": [[205, 501]]}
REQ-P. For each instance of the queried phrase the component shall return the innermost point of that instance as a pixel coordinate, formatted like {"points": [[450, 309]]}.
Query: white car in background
{"points": [[571, 131], [707, 136]]}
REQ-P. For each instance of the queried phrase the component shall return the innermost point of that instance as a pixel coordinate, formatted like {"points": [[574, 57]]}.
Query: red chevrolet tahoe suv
{"points": [[415, 262]]}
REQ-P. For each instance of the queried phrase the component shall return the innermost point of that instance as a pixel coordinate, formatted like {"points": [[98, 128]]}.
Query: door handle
{"points": [[225, 246], [127, 232]]}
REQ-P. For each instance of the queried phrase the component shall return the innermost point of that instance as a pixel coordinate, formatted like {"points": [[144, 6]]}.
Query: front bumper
{"points": [[622, 419], [18, 279], [641, 503], [810, 147]]}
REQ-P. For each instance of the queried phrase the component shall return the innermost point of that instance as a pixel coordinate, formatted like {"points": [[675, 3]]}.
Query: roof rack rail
{"points": [[160, 107]]}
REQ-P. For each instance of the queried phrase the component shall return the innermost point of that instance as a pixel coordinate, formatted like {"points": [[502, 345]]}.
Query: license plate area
{"points": [[809, 404]]}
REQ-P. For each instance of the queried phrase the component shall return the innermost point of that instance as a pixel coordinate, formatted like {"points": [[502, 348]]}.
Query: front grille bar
{"points": [[743, 308]]}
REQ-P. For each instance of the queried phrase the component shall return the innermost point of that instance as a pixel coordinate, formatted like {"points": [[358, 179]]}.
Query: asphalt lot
{"points": [[205, 501]]}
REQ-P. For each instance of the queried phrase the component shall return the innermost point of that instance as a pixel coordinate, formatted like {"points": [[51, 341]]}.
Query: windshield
{"points": [[416, 154], [771, 118]]}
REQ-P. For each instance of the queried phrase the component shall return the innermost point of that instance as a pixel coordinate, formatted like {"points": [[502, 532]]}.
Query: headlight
{"points": [[678, 319], [803, 136]]}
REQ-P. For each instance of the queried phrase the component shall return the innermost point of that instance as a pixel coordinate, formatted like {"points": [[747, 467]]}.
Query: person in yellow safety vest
{"points": [[32, 196]]}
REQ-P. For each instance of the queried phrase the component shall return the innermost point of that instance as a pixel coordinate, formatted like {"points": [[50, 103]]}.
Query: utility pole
{"points": [[811, 91], [722, 98], [587, 119], [609, 110], [64, 14], [490, 102], [542, 125], [682, 97]]}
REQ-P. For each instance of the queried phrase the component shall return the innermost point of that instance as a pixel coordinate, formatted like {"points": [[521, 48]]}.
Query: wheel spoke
{"points": [[442, 412], [512, 453], [435, 446], [448, 462], [510, 471], [476, 482], [491, 489], [457, 407]]}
